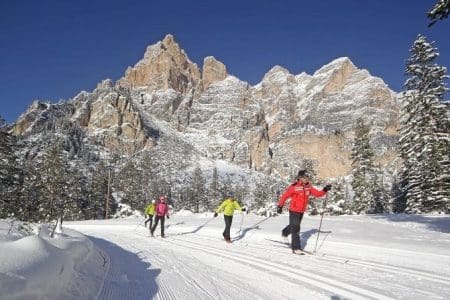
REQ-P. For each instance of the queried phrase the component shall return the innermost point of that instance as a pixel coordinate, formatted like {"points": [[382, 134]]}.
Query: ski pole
{"points": [[320, 225], [242, 221]]}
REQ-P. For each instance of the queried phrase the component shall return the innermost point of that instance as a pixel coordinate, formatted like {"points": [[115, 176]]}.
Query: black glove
{"points": [[215, 214], [279, 209], [168, 217], [327, 188], [244, 209]]}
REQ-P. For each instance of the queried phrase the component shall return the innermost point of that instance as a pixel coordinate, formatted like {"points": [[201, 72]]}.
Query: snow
{"points": [[358, 257], [41, 267]]}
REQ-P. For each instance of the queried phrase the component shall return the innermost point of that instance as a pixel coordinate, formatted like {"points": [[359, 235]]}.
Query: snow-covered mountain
{"points": [[166, 103]]}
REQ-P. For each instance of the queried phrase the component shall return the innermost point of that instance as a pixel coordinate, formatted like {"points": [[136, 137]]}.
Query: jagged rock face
{"points": [[164, 66], [213, 71], [272, 127], [312, 116], [115, 124], [106, 115]]}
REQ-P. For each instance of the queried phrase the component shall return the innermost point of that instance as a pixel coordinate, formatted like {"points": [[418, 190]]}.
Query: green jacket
{"points": [[150, 209], [228, 207]]}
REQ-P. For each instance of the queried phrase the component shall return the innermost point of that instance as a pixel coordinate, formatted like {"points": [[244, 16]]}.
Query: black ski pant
{"points": [[226, 232], [293, 228], [149, 219], [157, 218]]}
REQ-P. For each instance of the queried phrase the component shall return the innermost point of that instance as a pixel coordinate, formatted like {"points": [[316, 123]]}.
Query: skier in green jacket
{"points": [[228, 207], [149, 212]]}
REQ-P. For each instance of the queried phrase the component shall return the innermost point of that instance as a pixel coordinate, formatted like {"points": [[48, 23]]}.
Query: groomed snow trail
{"points": [[193, 262]]}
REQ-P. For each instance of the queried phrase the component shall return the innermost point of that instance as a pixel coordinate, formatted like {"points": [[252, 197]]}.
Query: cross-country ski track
{"points": [[193, 262]]}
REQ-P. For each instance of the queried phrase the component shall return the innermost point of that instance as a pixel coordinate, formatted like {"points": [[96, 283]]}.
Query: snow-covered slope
{"points": [[358, 257], [68, 266]]}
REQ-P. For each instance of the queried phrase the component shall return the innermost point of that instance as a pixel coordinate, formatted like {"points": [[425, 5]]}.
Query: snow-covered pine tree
{"points": [[440, 11], [364, 172], [32, 202], [213, 190], [77, 194], [261, 196], [241, 192], [149, 177], [337, 202], [397, 197], [424, 135], [98, 192], [129, 181], [54, 183], [379, 205], [198, 200], [226, 188], [10, 175]]}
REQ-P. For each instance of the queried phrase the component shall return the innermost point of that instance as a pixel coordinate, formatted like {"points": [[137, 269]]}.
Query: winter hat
{"points": [[302, 173]]}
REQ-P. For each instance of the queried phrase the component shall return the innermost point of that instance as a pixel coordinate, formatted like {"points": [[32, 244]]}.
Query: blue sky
{"points": [[52, 50]]}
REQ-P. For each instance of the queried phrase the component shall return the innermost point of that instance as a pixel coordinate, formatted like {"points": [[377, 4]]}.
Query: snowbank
{"points": [[37, 266]]}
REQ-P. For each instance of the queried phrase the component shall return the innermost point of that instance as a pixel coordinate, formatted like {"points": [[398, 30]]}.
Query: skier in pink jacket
{"points": [[161, 211]]}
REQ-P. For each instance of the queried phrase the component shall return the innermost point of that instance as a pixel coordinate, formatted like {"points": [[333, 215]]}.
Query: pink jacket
{"points": [[162, 209]]}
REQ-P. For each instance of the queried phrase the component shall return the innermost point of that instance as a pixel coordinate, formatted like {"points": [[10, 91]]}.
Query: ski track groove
{"points": [[323, 283], [186, 278], [355, 262], [164, 292], [111, 287], [107, 261]]}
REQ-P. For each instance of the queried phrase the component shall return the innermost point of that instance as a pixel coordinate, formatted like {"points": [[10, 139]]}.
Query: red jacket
{"points": [[299, 194]]}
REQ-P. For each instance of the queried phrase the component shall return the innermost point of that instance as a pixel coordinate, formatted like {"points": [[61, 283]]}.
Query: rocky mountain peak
{"points": [[277, 75], [164, 66], [213, 71], [336, 64], [336, 73]]}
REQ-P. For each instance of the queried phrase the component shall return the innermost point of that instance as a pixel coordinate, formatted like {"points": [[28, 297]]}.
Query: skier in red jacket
{"points": [[299, 193]]}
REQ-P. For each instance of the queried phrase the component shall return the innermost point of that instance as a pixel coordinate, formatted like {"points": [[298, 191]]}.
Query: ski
{"points": [[299, 251]]}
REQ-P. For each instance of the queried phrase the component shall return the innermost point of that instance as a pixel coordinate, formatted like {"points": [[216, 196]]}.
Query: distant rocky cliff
{"points": [[273, 127]]}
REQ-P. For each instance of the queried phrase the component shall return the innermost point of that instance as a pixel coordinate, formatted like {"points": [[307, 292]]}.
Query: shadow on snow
{"points": [[129, 277]]}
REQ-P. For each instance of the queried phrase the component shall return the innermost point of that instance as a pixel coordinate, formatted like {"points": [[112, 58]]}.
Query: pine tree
{"points": [[98, 192], [425, 138], [32, 208], [364, 172], [198, 196], [77, 194], [54, 183], [440, 11], [10, 175], [226, 188], [241, 192], [129, 181], [397, 196], [214, 191], [338, 198], [261, 196]]}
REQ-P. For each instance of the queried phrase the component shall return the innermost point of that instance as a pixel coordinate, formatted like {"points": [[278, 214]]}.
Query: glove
{"points": [[279, 209], [327, 188], [215, 214], [244, 209], [168, 217]]}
